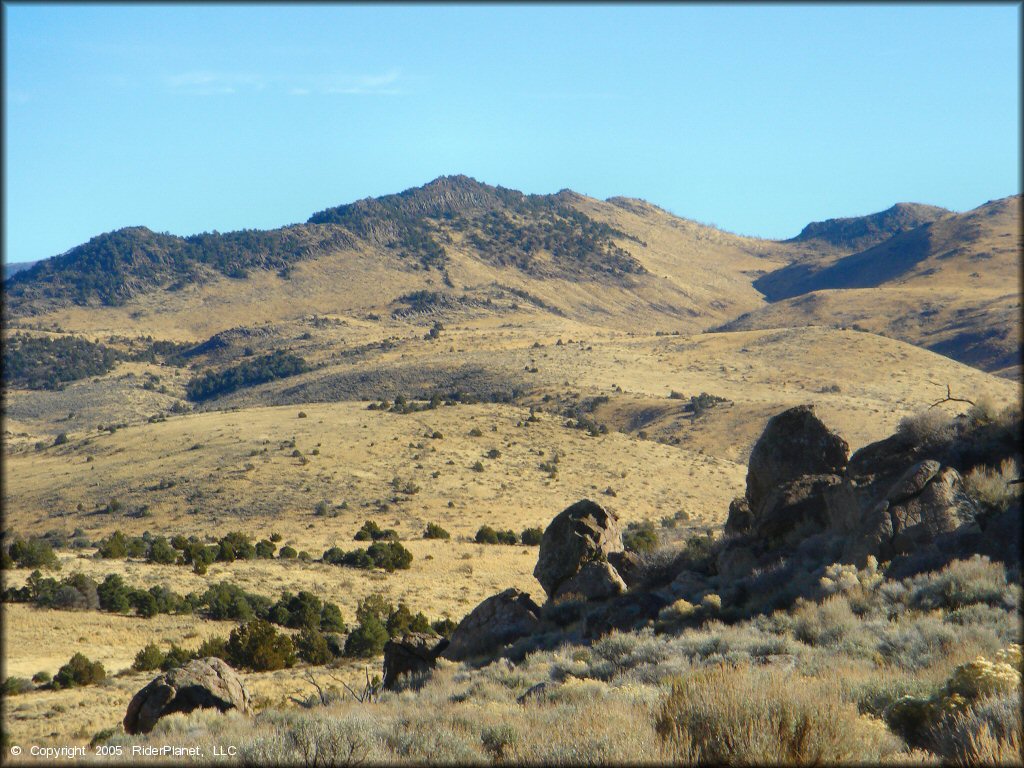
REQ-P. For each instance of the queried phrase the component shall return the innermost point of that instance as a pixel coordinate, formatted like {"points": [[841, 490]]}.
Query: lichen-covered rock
{"points": [[499, 620], [412, 654], [579, 534], [596, 580], [794, 443], [201, 684]]}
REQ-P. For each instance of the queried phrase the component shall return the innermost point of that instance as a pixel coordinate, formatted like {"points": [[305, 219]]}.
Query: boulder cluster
{"points": [[808, 506]]}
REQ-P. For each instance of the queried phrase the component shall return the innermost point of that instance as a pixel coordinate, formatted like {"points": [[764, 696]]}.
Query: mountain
{"points": [[860, 232], [457, 248], [453, 245], [951, 285], [12, 268]]}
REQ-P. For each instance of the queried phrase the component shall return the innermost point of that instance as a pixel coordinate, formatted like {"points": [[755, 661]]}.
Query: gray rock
{"points": [[201, 684], [579, 534], [794, 443], [795, 509], [499, 620], [597, 580], [412, 654]]}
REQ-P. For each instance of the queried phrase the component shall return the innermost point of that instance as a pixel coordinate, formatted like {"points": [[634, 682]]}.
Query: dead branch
{"points": [[950, 399]]}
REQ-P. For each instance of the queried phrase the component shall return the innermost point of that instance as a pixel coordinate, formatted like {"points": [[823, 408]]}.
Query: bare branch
{"points": [[950, 399]]}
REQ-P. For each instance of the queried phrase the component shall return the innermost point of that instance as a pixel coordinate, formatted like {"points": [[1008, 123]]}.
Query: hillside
{"points": [[951, 285]]}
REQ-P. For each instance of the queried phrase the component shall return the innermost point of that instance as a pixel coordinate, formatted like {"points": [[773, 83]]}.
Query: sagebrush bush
{"points": [[758, 716], [991, 487], [928, 427], [962, 583]]}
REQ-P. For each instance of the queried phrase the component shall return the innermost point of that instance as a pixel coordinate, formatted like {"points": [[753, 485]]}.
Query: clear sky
{"points": [[757, 119]]}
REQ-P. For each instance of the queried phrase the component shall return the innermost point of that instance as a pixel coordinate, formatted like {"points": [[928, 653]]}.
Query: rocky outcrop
{"points": [[498, 621], [596, 580], [413, 654], [794, 443], [582, 533], [201, 684], [928, 500]]}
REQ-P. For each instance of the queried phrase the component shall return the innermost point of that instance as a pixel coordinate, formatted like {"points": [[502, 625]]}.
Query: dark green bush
{"points": [[531, 537], [12, 686], [161, 551], [176, 656], [312, 647], [373, 532], [79, 671], [149, 658], [265, 549], [640, 537], [486, 535], [33, 553], [287, 553], [367, 639], [256, 645], [435, 531]]}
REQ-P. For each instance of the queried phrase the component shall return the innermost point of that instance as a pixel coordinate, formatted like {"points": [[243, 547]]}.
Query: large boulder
{"points": [[794, 510], [579, 534], [596, 580], [201, 684], [412, 654], [499, 620], [794, 443]]}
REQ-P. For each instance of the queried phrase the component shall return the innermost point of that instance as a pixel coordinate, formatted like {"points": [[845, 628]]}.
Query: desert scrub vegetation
{"points": [[991, 487], [258, 370], [388, 555], [47, 362], [435, 531], [745, 715], [488, 535], [29, 553]]}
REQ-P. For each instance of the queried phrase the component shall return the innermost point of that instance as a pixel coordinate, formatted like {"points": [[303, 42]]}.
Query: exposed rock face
{"points": [[794, 443], [596, 580], [200, 684], [794, 509], [499, 620], [579, 534], [627, 564], [412, 654], [924, 503]]}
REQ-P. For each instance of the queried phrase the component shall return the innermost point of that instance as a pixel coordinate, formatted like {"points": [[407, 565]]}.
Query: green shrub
{"points": [[961, 583], [640, 537], [373, 532], [79, 671], [236, 546], [366, 640], [12, 686], [114, 594], [161, 551], [257, 645], [213, 647], [33, 553], [176, 656], [312, 647], [287, 553], [149, 658], [42, 677], [531, 537], [444, 627], [486, 535], [265, 549], [435, 531]]}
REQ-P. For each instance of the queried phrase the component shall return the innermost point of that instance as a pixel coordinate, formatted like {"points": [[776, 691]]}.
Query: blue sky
{"points": [[758, 119]]}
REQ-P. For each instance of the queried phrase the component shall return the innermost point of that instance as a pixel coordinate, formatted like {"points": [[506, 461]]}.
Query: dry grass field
{"points": [[304, 457]]}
